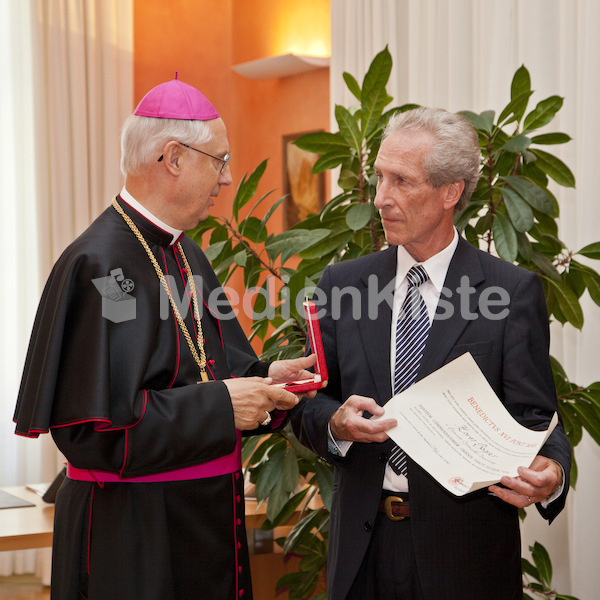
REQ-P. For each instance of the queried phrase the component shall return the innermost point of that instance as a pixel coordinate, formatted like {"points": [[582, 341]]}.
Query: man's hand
{"points": [[293, 369], [348, 423], [532, 485], [253, 398]]}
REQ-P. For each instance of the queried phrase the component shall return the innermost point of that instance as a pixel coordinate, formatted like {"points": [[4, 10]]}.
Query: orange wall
{"points": [[202, 39]]}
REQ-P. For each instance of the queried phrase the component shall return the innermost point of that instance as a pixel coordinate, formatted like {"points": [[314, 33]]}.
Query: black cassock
{"points": [[118, 390]]}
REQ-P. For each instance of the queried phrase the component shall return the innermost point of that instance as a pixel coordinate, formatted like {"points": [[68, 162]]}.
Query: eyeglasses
{"points": [[224, 160]]}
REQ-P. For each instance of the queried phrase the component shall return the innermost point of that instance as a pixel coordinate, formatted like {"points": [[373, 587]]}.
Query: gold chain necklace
{"points": [[201, 358]]}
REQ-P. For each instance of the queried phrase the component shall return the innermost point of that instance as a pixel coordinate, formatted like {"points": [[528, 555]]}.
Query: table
{"points": [[26, 527]]}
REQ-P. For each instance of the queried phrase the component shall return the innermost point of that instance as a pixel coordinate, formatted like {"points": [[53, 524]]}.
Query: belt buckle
{"points": [[388, 508]]}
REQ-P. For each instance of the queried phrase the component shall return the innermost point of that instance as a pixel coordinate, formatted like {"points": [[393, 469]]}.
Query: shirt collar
{"points": [[176, 233], [436, 266]]}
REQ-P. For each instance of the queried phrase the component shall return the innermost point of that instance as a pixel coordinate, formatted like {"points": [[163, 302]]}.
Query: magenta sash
{"points": [[220, 466]]}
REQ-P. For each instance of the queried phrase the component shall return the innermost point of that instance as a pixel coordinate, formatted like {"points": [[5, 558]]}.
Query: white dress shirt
{"points": [[437, 268]]}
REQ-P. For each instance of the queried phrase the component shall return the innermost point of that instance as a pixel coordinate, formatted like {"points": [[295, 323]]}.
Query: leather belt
{"points": [[395, 508]]}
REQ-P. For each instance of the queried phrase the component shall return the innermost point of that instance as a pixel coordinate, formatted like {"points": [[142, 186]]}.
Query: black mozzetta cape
{"points": [[122, 396]]}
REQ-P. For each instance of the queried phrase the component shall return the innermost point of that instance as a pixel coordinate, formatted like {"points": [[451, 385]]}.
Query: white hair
{"points": [[455, 155], [143, 138]]}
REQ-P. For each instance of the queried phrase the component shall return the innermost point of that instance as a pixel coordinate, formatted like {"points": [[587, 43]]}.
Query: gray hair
{"points": [[143, 138], [455, 155]]}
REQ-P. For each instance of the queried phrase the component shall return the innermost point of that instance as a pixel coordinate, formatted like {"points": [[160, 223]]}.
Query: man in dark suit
{"points": [[425, 543]]}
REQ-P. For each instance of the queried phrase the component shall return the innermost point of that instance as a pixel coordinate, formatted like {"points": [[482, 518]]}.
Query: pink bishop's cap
{"points": [[176, 100]]}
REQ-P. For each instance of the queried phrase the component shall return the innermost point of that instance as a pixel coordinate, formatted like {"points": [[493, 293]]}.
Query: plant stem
{"points": [[490, 181], [573, 392], [544, 594], [238, 236]]}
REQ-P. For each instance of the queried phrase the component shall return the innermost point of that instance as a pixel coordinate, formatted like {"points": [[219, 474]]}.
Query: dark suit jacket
{"points": [[468, 547]]}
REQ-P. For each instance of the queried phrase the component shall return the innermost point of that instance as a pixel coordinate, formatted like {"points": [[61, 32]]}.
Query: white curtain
{"points": [[67, 69], [83, 51], [462, 54]]}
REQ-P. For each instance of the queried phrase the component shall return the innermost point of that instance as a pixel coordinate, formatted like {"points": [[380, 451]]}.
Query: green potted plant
{"points": [[513, 212]]}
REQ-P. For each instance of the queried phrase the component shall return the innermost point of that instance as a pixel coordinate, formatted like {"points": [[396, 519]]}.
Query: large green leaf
{"points": [[337, 240], [374, 94], [301, 451], [543, 113], [358, 216], [482, 122], [270, 443], [591, 251], [253, 229], [240, 258], [517, 143], [348, 179], [549, 245], [349, 128], [321, 142], [554, 167], [525, 248], [551, 138], [332, 159], [206, 225], [541, 558], [519, 211], [516, 107], [290, 473], [545, 225], [505, 237], [592, 283], [352, 85], [215, 249], [590, 419], [521, 84], [278, 498], [300, 529], [461, 220], [546, 266], [585, 271], [269, 474], [571, 422], [592, 395], [532, 193], [324, 474], [293, 242], [271, 210], [249, 445], [529, 569], [288, 509], [568, 302], [247, 188]]}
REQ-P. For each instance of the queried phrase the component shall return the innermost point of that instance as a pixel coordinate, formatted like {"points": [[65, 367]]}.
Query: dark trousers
{"points": [[388, 570]]}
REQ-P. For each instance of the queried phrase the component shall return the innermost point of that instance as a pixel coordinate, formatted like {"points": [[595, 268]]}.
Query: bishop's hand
{"points": [[253, 398]]}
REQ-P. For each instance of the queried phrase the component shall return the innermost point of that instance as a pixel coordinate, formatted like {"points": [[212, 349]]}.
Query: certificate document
{"points": [[455, 427]]}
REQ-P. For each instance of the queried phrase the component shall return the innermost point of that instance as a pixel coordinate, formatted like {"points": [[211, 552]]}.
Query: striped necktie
{"points": [[412, 330]]}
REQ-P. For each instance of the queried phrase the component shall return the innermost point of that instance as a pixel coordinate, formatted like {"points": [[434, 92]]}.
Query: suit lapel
{"points": [[445, 331], [375, 326]]}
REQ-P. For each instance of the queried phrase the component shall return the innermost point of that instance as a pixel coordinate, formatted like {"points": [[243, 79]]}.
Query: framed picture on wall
{"points": [[305, 190]]}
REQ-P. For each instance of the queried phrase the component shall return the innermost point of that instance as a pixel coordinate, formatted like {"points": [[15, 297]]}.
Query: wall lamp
{"points": [[282, 65]]}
